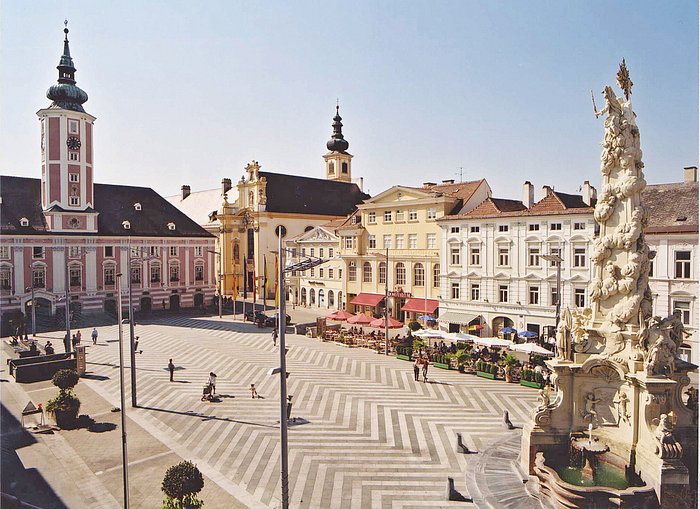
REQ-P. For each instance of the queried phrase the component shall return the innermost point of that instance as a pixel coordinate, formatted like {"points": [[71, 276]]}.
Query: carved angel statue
{"points": [[589, 411]]}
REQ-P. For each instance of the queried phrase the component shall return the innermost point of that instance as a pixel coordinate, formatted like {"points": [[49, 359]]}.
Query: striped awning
{"points": [[455, 317]]}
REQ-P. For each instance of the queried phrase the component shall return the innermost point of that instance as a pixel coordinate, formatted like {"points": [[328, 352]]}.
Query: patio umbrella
{"points": [[427, 333], [507, 330], [493, 342], [427, 318], [460, 336], [360, 319], [392, 324], [340, 315], [527, 334], [531, 348]]}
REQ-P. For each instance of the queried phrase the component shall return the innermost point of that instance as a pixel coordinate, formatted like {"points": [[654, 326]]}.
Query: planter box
{"points": [[534, 385], [441, 365], [483, 374], [403, 357]]}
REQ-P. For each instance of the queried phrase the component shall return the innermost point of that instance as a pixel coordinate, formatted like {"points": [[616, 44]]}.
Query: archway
{"points": [[146, 304], [321, 299], [110, 307], [174, 302], [501, 322], [198, 299], [303, 297], [312, 297], [331, 299]]}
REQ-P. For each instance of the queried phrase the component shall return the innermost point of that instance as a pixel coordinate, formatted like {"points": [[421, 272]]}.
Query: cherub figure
{"points": [[590, 402], [622, 403]]}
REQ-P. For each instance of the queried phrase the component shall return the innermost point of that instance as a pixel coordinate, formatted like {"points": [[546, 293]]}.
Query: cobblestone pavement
{"points": [[367, 434]]}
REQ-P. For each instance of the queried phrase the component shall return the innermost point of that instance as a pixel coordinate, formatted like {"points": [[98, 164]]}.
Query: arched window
{"points": [[352, 271], [312, 297], [366, 272], [344, 167], [331, 168], [321, 298], [174, 269], [382, 273], [418, 275], [331, 301], [436, 275], [236, 252], [303, 295], [400, 274]]}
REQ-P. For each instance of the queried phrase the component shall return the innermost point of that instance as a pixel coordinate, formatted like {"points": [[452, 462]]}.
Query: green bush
{"points": [[65, 379], [65, 401], [414, 326], [181, 484], [510, 360]]}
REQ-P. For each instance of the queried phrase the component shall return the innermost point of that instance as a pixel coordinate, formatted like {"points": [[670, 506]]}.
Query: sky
{"points": [[188, 92]]}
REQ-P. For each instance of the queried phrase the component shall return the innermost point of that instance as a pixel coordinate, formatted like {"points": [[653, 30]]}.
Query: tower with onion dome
{"points": [[338, 161]]}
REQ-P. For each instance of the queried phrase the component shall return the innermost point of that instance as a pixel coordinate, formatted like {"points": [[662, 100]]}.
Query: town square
{"points": [[353, 256]]}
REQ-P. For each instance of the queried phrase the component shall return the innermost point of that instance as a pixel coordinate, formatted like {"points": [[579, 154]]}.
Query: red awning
{"points": [[367, 299], [421, 305]]}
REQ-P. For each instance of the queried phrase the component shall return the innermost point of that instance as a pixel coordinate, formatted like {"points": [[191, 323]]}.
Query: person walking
{"points": [[416, 368], [212, 382], [94, 336], [79, 336], [253, 391], [66, 342], [425, 369], [274, 336], [171, 368]]}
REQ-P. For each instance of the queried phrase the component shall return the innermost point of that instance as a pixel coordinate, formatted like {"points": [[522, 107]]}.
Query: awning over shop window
{"points": [[421, 305], [455, 317], [367, 299]]}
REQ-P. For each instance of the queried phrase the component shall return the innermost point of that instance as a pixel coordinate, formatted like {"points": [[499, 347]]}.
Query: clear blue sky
{"points": [[188, 92]]}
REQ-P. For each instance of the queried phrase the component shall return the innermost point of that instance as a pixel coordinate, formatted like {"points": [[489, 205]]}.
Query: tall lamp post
{"points": [[556, 260], [220, 285], [125, 460]]}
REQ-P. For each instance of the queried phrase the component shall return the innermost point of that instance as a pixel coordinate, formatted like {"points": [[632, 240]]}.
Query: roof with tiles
{"points": [[560, 203], [673, 208]]}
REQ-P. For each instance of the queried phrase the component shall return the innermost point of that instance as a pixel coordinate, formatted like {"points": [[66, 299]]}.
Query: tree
{"points": [[181, 484]]}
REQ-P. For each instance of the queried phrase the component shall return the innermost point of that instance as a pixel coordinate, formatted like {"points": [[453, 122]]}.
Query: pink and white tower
{"points": [[67, 196]]}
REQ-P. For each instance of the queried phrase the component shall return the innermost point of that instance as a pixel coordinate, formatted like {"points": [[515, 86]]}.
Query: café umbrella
{"points": [[340, 315], [527, 334], [360, 319], [508, 330], [531, 348], [391, 323]]}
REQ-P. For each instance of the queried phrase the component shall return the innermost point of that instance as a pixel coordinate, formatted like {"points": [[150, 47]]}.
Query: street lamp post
{"points": [[132, 345], [125, 460], [33, 309], [220, 285], [282, 324], [556, 260]]}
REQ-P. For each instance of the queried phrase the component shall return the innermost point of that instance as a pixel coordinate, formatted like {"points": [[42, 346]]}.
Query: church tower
{"points": [[338, 161], [67, 196]]}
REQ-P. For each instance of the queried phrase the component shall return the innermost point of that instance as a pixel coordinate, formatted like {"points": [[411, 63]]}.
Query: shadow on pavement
{"points": [[206, 417]]}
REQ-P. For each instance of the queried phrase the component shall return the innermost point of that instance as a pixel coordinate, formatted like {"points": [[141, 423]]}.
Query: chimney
{"points": [[185, 191], [428, 185], [594, 194], [546, 190], [586, 192], [528, 194], [225, 186], [448, 181], [690, 174]]}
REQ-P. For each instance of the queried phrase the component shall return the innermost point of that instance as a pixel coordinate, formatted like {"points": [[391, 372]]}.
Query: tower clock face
{"points": [[73, 143]]}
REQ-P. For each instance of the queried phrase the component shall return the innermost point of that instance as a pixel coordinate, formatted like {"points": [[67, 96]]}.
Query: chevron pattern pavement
{"points": [[369, 435]]}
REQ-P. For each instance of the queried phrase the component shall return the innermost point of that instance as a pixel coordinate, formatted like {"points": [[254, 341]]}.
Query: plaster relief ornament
{"points": [[661, 359], [667, 447], [589, 413]]}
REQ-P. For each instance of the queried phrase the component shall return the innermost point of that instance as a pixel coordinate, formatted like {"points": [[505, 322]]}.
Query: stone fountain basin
{"points": [[594, 446], [570, 496]]}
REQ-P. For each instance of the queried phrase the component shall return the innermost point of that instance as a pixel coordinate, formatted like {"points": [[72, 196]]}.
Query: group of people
{"points": [[421, 366]]}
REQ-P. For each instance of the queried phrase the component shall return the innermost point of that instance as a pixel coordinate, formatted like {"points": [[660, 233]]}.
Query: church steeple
{"points": [[338, 160], [66, 94]]}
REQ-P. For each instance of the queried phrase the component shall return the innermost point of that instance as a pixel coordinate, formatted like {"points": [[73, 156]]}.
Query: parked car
{"points": [[260, 317]]}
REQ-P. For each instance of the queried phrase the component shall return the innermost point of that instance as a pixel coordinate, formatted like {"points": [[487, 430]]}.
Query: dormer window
{"points": [[126, 225], [171, 226], [24, 222], [137, 206]]}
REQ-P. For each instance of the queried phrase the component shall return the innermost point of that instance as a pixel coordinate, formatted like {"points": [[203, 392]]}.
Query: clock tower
{"points": [[338, 161], [67, 196]]}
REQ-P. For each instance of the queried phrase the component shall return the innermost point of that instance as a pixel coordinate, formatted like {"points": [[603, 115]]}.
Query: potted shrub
{"points": [[414, 326], [181, 484], [65, 406], [509, 364]]}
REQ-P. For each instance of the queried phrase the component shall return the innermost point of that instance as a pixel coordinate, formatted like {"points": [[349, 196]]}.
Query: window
{"points": [[580, 257], [39, 278], [24, 222], [73, 126], [312, 272], [330, 252], [371, 218], [331, 167], [475, 291], [579, 226], [109, 251], [400, 274], [534, 227], [436, 275], [474, 229], [534, 295], [135, 252], [580, 297], [340, 273], [684, 308], [74, 177], [174, 273], [412, 241], [503, 256], [372, 241], [73, 156], [651, 268], [312, 252], [155, 274], [454, 256], [352, 271], [5, 279], [454, 229], [320, 252], [366, 272], [4, 252], [198, 250], [349, 242], [330, 275], [399, 215], [502, 227], [199, 272], [399, 241], [682, 264], [74, 252], [431, 213], [37, 253], [154, 251], [418, 275], [387, 216], [173, 250], [382, 273], [533, 257], [75, 274], [430, 240], [387, 241], [555, 251], [303, 252], [413, 215], [502, 293], [312, 296], [109, 276], [344, 167], [136, 275], [455, 290], [74, 201], [475, 255], [555, 227], [553, 296], [331, 299]]}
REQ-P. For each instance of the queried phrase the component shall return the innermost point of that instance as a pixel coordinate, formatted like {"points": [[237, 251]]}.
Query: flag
{"points": [[245, 277]]}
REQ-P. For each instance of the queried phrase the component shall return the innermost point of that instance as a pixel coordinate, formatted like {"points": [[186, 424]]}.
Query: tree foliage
{"points": [[180, 484], [65, 379]]}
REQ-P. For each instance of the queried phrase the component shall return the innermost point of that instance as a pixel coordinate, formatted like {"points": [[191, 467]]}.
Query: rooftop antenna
{"points": [[459, 173]]}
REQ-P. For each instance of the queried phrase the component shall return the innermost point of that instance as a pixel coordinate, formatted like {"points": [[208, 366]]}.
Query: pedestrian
{"points": [[416, 368], [171, 368], [212, 382], [48, 349], [274, 336], [425, 370], [74, 340], [94, 336], [253, 391], [66, 342], [79, 336]]}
